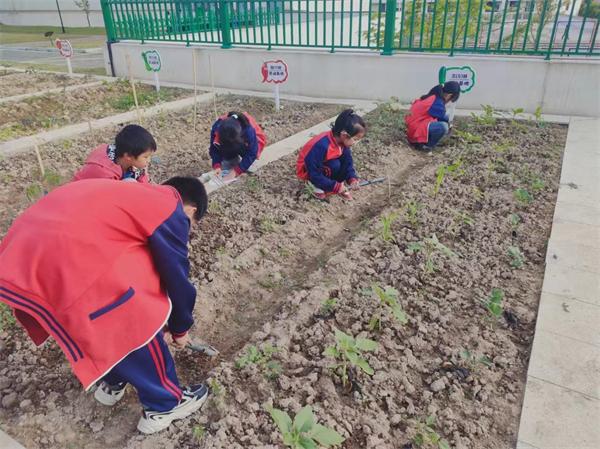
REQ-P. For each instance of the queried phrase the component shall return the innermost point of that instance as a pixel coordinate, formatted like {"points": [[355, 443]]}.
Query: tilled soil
{"points": [[50, 111], [16, 83], [180, 152], [267, 256]]}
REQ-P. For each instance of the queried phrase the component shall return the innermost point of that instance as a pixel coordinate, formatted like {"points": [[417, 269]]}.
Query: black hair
{"points": [[450, 87], [230, 134], [192, 193], [134, 140], [349, 122]]}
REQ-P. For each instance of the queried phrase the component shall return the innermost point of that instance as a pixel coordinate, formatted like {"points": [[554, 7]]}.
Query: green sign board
{"points": [[151, 60], [465, 76]]}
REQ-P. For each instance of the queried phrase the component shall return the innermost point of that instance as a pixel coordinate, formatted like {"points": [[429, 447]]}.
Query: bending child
{"points": [[122, 274], [127, 159], [428, 121], [326, 160], [236, 141]]}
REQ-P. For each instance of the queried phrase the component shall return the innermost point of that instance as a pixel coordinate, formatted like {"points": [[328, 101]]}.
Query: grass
{"points": [[15, 34]]}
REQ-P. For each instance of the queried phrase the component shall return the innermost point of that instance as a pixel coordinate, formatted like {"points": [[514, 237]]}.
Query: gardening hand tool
{"points": [[366, 182], [203, 349]]}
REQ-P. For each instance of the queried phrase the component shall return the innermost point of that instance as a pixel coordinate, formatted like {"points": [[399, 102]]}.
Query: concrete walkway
{"points": [[561, 409], [7, 442]]}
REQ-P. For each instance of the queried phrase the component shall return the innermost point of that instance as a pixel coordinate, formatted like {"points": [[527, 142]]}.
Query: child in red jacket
{"points": [[236, 141], [326, 160], [428, 120], [126, 160]]}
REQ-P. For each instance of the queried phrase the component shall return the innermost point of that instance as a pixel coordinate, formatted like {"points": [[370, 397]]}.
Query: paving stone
{"points": [[554, 417], [567, 362]]}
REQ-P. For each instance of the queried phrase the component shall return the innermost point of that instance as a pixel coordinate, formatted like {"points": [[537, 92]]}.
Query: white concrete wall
{"points": [[564, 87], [44, 12]]}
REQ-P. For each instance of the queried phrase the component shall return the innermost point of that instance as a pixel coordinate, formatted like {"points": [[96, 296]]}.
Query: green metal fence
{"points": [[525, 27]]}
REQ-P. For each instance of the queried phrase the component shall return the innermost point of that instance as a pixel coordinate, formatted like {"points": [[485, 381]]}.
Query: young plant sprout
{"points": [[487, 118], [443, 170], [523, 196], [348, 352], [262, 359], [386, 226], [427, 436], [411, 212], [389, 297], [493, 303], [516, 257], [304, 432], [429, 247]]}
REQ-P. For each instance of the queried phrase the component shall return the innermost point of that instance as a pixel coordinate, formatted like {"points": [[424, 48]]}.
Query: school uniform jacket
{"points": [[310, 165], [254, 142], [92, 263], [422, 113], [98, 165]]}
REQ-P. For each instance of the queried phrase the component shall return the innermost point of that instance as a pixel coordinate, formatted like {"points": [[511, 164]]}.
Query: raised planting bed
{"points": [[279, 272], [180, 152], [51, 111], [17, 83]]}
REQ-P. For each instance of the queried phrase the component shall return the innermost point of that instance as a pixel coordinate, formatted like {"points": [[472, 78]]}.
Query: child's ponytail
{"points": [[436, 90], [240, 118], [348, 122]]}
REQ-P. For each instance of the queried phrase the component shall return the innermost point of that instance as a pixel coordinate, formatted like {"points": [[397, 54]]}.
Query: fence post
{"points": [[390, 27], [108, 22], [225, 19]]}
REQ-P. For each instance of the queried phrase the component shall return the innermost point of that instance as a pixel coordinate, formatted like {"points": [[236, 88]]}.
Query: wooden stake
{"points": [[212, 82], [195, 90], [39, 158], [132, 82]]}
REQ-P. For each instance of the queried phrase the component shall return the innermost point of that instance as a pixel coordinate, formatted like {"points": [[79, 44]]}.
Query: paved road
{"points": [[22, 54]]}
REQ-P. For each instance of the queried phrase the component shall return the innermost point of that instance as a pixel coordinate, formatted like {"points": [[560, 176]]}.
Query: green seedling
{"points": [[537, 184], [427, 436], [429, 247], [304, 432], [454, 169], [7, 318], [38, 189], [502, 147], [328, 306], [516, 257], [487, 118], [386, 226], [348, 352], [411, 212], [375, 323], [493, 303], [464, 218], [389, 298], [199, 432], [266, 225], [253, 184], [523, 196], [468, 137], [538, 117], [262, 359], [215, 207], [478, 194], [216, 389], [473, 361], [514, 220]]}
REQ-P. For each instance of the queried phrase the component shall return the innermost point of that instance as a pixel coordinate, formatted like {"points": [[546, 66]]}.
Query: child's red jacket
{"points": [[98, 165], [91, 264]]}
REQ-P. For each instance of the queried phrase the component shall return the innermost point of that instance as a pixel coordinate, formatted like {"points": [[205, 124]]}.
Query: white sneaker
{"points": [[109, 394], [192, 399]]}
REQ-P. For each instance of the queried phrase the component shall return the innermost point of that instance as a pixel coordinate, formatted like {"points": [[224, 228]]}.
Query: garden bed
{"points": [[17, 83], [55, 110], [267, 257]]}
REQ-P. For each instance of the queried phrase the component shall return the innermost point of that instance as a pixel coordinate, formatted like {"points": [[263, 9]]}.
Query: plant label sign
{"points": [[66, 51], [465, 76], [64, 47], [275, 72], [153, 64]]}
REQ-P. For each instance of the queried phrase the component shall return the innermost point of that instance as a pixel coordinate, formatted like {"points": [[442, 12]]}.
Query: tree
{"points": [[84, 5]]}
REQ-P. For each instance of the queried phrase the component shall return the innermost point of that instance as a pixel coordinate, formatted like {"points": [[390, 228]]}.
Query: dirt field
{"points": [[462, 260], [50, 111], [16, 83]]}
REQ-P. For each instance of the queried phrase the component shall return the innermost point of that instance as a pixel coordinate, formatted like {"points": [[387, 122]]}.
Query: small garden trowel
{"points": [[203, 348], [366, 182]]}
